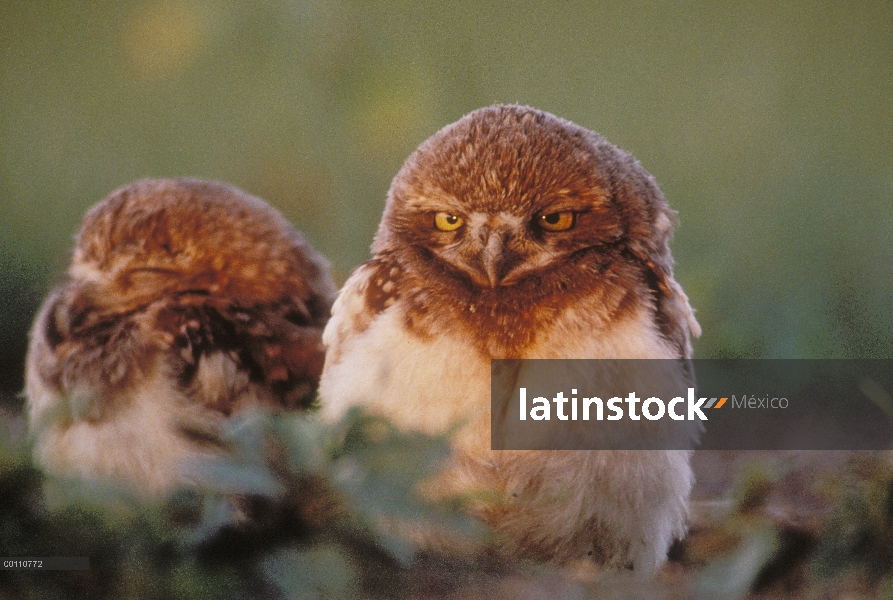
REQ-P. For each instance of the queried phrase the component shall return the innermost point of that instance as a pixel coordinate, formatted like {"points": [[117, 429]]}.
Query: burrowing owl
{"points": [[185, 301], [515, 234]]}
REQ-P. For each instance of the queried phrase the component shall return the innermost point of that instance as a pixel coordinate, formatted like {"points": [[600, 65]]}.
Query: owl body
{"points": [[514, 234], [186, 301], [558, 506]]}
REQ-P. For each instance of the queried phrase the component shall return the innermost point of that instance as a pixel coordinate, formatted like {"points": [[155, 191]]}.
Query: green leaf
{"points": [[321, 572], [733, 576]]}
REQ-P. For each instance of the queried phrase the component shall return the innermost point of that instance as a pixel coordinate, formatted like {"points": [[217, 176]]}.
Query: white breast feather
{"points": [[637, 498]]}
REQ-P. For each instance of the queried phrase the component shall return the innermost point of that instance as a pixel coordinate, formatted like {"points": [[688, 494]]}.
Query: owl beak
{"points": [[492, 258]]}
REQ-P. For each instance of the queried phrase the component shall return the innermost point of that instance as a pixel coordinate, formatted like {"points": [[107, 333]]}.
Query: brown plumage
{"points": [[185, 301], [515, 234]]}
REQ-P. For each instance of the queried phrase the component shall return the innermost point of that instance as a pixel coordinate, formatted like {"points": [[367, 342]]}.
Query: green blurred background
{"points": [[769, 127]]}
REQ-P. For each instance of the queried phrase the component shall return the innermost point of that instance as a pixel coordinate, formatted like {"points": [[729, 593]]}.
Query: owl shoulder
{"points": [[372, 288]]}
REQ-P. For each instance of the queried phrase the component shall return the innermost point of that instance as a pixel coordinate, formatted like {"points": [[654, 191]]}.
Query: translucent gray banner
{"points": [[712, 404]]}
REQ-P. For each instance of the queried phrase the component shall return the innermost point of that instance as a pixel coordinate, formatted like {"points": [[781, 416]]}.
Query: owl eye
{"points": [[447, 222], [557, 221]]}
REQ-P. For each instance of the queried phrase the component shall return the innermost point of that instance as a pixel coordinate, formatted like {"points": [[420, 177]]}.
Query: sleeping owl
{"points": [[515, 234], [185, 302]]}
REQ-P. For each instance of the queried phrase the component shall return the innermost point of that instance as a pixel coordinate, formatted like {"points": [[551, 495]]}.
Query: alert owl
{"points": [[185, 301], [515, 234]]}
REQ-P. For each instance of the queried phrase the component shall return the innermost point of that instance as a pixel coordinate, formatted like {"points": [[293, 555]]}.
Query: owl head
{"points": [[157, 238], [509, 193]]}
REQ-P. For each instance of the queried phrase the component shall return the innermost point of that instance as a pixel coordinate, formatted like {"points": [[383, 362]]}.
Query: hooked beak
{"points": [[492, 257]]}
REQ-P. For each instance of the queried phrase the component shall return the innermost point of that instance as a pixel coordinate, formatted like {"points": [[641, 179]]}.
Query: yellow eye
{"points": [[557, 221], [447, 222]]}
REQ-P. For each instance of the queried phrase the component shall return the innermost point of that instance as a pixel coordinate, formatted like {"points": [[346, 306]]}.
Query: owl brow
{"points": [[434, 204], [568, 205]]}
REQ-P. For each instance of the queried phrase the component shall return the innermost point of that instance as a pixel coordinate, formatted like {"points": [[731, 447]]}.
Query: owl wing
{"points": [[688, 310], [212, 348], [649, 224], [674, 313], [276, 347]]}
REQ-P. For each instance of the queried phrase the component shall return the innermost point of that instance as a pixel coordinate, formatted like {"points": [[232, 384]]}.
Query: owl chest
{"points": [[428, 383], [420, 383], [580, 332]]}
